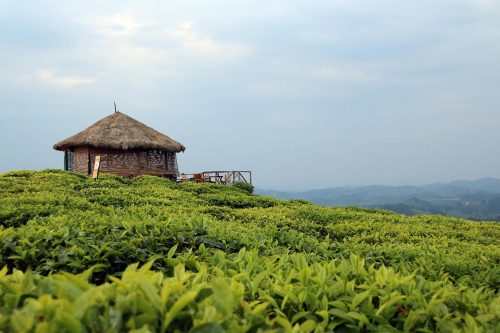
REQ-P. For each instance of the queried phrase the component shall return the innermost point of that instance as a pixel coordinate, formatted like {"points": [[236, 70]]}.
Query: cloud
{"points": [[277, 89], [194, 41], [132, 56], [486, 4], [122, 24], [51, 77], [340, 74], [123, 39]]}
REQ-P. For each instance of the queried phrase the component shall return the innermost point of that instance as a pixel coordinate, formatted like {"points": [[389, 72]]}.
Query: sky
{"points": [[306, 94]]}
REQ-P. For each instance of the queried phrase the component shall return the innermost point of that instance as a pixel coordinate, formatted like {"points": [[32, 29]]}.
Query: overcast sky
{"points": [[306, 94]]}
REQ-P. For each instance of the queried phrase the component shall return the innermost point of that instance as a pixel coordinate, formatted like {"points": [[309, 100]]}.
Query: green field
{"points": [[149, 255]]}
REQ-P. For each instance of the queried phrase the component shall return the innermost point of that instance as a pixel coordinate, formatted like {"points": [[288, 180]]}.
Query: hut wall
{"points": [[126, 163], [80, 160]]}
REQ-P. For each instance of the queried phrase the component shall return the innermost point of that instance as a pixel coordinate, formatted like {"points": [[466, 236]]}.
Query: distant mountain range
{"points": [[475, 200]]}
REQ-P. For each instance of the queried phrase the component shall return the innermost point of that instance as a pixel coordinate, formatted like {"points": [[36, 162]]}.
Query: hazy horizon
{"points": [[375, 184], [307, 95]]}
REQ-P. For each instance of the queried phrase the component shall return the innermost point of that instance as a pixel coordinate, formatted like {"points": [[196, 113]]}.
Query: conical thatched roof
{"points": [[119, 131]]}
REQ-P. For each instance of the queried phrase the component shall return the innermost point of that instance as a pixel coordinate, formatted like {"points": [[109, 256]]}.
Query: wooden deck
{"points": [[217, 177]]}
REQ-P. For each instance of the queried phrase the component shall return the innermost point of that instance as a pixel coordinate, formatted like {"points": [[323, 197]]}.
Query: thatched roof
{"points": [[119, 131]]}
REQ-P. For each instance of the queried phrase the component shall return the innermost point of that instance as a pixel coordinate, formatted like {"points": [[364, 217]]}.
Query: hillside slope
{"points": [[212, 258]]}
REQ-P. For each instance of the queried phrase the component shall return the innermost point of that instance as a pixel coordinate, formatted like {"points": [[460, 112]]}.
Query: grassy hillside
{"points": [[150, 255]]}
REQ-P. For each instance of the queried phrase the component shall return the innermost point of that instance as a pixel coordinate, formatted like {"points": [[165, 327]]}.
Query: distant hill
{"points": [[476, 200]]}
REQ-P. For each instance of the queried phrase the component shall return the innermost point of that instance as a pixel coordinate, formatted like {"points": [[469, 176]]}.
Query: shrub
{"points": [[228, 260], [244, 186]]}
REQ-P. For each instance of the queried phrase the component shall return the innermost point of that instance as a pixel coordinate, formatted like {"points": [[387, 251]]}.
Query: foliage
{"points": [[244, 186], [215, 258]]}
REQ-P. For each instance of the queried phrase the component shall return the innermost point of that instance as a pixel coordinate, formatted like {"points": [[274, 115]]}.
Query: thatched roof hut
{"points": [[126, 147]]}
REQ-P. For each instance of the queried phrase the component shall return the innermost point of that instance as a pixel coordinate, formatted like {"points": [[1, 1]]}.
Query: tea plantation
{"points": [[149, 255]]}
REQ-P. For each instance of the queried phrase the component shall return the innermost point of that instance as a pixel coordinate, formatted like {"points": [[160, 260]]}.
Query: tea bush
{"points": [[244, 186], [151, 255]]}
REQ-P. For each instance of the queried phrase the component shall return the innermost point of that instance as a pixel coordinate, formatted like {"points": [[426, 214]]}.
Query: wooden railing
{"points": [[217, 177]]}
